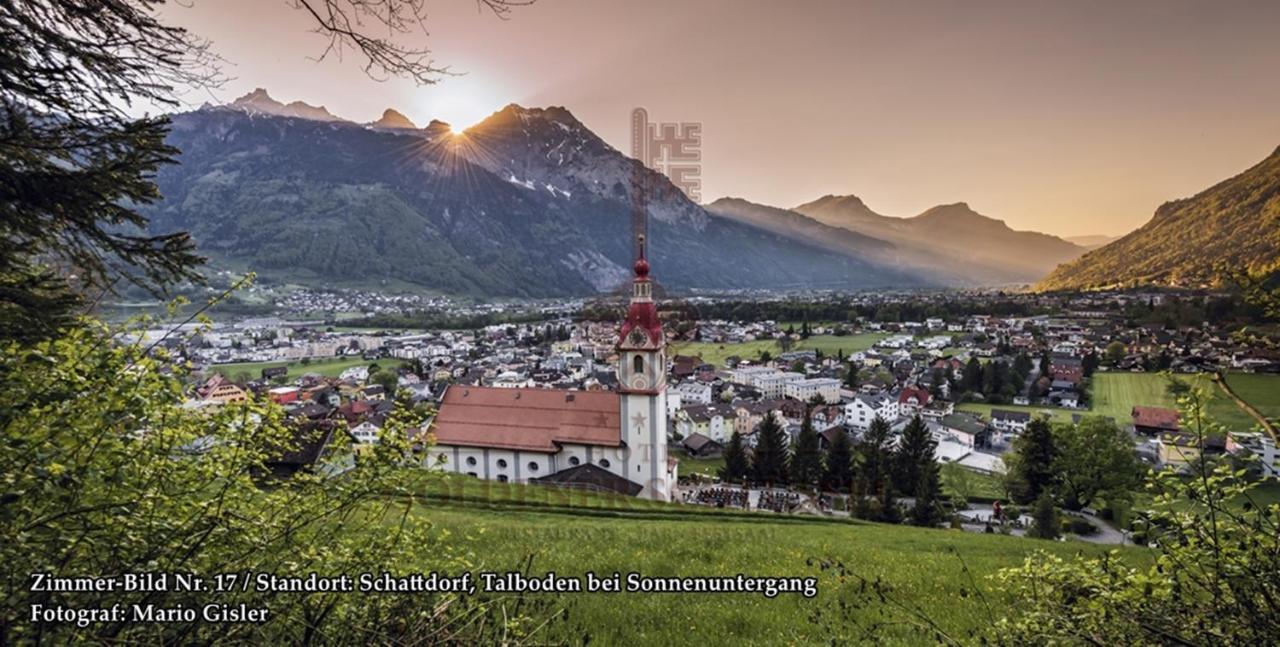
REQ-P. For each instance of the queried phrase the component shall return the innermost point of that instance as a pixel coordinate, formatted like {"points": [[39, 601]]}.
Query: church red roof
{"points": [[527, 419], [642, 314]]}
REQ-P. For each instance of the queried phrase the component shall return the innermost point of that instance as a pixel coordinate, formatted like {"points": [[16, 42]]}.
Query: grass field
{"points": [[984, 409], [1115, 394], [923, 567], [716, 354], [331, 368], [1262, 392]]}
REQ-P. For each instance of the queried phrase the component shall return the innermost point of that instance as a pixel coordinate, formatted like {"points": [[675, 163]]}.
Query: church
{"points": [[598, 440]]}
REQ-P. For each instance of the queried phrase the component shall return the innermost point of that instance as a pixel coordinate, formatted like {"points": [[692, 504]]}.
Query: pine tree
{"points": [[1045, 522], [806, 460], [1030, 464], [971, 379], [769, 464], [915, 448], [877, 469], [927, 510], [838, 474], [851, 377], [736, 465]]}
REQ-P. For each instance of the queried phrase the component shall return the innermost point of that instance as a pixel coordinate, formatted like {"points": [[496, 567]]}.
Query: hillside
{"points": [[527, 203], [1091, 242], [952, 239], [572, 532], [1233, 223]]}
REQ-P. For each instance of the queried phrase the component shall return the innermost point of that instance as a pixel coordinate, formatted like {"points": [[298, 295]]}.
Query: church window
{"points": [[471, 460], [502, 478], [502, 462], [573, 460], [639, 364], [604, 462], [533, 466]]}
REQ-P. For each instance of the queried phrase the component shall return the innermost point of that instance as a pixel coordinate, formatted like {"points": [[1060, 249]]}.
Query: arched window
{"points": [[638, 363]]}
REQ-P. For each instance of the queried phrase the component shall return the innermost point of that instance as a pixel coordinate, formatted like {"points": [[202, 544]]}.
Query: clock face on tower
{"points": [[637, 337]]}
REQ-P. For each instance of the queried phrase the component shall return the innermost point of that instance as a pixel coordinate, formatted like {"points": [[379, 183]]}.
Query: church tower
{"points": [[642, 388]]}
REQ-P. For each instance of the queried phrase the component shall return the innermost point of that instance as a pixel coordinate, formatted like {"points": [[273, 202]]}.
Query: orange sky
{"points": [[1072, 118]]}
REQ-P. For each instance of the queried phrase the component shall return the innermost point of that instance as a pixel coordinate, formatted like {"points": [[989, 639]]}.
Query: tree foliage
{"points": [[736, 465], [837, 475], [1215, 578], [769, 461], [1095, 457], [104, 471], [1029, 466], [806, 459]]}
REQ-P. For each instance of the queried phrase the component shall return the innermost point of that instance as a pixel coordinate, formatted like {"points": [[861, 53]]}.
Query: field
{"points": [[923, 566], [329, 367], [1262, 392], [1115, 394], [984, 409], [716, 354]]}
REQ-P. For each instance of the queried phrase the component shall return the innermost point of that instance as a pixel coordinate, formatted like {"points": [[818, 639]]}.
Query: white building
{"points": [[863, 409], [694, 392], [804, 390]]}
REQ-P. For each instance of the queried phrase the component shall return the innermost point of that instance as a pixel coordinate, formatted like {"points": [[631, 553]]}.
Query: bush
{"points": [[1078, 526]]}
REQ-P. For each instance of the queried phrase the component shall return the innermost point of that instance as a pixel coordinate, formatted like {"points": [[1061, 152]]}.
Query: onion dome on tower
{"points": [[642, 327]]}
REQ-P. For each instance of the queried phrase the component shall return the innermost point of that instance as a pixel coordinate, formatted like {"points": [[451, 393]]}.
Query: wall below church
{"points": [[514, 466]]}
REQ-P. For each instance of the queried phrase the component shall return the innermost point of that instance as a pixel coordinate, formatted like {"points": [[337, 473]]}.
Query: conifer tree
{"points": [[736, 465], [806, 460], [1030, 465], [916, 447], [1045, 522], [927, 510], [838, 472], [769, 464]]}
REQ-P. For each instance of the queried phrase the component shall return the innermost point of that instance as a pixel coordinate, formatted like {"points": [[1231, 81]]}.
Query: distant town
{"points": [[977, 371]]}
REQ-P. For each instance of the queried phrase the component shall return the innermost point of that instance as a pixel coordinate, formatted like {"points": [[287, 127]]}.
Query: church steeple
{"points": [[642, 329], [642, 386]]}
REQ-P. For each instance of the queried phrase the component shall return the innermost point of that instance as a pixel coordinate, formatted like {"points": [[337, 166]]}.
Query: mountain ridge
{"points": [[526, 204], [951, 238], [1233, 224]]}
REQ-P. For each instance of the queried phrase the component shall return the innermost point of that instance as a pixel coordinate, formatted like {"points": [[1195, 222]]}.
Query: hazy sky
{"points": [[1074, 117]]}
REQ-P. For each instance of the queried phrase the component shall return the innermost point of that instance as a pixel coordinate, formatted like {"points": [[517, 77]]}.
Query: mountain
{"points": [[1091, 242], [528, 203], [1233, 223], [393, 120], [950, 240], [259, 102], [795, 225]]}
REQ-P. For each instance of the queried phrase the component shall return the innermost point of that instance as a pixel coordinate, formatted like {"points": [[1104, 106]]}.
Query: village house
{"points": [[863, 409], [1009, 422]]}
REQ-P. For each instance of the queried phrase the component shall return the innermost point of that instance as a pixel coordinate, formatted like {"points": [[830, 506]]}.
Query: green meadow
{"points": [[572, 533], [1262, 392], [1115, 394], [326, 367], [716, 354]]}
